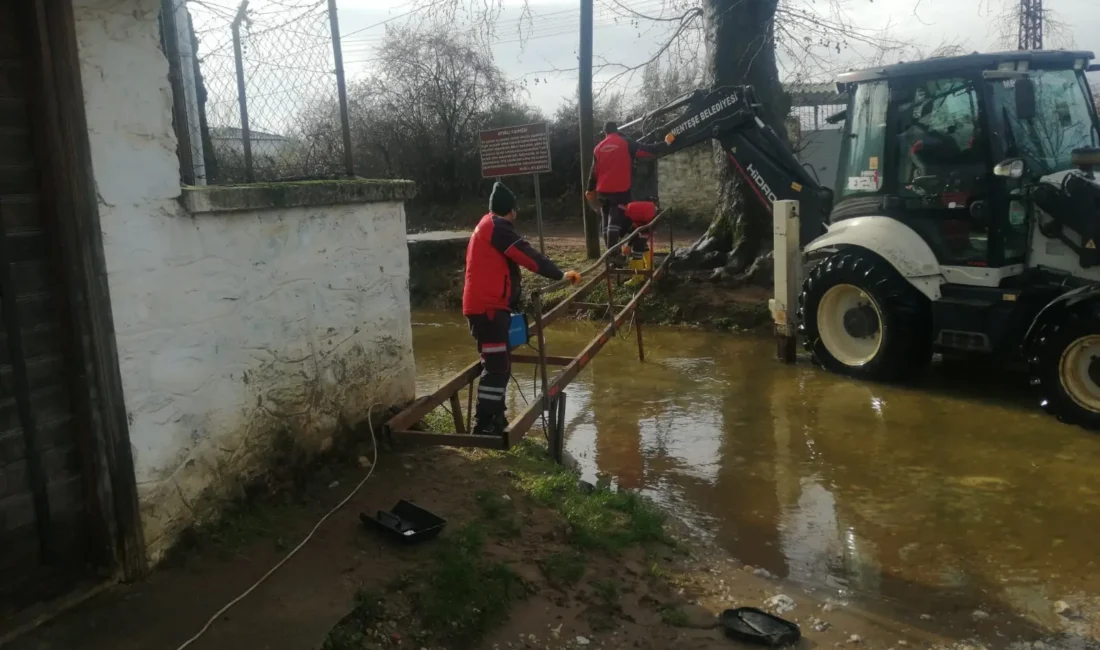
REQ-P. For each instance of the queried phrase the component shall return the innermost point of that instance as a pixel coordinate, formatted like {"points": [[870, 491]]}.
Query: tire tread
{"points": [[907, 348]]}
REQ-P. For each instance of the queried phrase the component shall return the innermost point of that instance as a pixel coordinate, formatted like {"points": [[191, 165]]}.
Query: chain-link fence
{"points": [[816, 141], [258, 87]]}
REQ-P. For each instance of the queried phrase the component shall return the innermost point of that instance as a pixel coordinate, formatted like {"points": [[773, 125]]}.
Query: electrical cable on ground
{"points": [[294, 551]]}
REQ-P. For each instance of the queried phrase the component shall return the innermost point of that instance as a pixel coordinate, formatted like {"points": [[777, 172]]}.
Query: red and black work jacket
{"points": [[612, 164], [493, 257]]}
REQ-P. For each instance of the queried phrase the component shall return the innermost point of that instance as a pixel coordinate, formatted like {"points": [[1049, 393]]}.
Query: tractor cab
{"points": [[923, 140]]}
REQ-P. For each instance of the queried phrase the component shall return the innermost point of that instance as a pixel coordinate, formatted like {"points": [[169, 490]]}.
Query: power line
{"points": [[553, 31], [540, 36], [344, 37], [539, 23]]}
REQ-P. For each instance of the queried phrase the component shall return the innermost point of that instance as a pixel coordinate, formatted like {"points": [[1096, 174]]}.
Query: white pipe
{"points": [[190, 90]]}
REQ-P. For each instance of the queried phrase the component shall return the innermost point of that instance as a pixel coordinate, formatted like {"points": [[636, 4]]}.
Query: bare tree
{"points": [[740, 42], [420, 115]]}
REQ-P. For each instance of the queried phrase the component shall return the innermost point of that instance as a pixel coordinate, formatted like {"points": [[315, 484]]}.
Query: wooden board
{"points": [[42, 502]]}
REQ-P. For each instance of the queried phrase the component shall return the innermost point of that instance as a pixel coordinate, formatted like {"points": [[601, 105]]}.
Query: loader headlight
{"points": [[1012, 168]]}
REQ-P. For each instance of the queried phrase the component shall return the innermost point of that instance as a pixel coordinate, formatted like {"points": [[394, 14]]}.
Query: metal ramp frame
{"points": [[551, 400]]}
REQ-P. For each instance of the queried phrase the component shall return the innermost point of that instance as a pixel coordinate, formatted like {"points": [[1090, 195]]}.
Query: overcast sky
{"points": [[552, 33], [541, 48]]}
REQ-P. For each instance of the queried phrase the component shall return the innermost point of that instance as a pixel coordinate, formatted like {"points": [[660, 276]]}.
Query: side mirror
{"points": [[1011, 168], [1025, 99]]}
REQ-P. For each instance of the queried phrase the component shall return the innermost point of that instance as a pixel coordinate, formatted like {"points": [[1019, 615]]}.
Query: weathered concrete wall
{"points": [[687, 181], [233, 327], [437, 269]]}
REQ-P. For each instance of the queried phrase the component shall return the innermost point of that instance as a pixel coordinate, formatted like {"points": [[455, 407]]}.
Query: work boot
{"points": [[490, 425]]}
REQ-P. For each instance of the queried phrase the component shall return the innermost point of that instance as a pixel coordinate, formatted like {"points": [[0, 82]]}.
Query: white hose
{"points": [[292, 553]]}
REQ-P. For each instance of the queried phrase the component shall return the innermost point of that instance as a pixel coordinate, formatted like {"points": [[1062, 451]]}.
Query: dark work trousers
{"points": [[491, 333], [614, 217], [618, 225]]}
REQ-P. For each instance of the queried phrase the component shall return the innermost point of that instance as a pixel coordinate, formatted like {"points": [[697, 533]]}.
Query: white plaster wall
{"points": [[230, 327]]}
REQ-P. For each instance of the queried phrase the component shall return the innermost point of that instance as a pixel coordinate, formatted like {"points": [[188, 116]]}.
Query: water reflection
{"points": [[954, 492]]}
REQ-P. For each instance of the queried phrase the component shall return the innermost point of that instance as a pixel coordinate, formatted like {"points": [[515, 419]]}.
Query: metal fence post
{"points": [[557, 439], [242, 97], [341, 88], [538, 215], [536, 297]]}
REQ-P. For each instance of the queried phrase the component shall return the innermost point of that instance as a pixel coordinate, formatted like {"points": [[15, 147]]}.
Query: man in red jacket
{"points": [[611, 177], [490, 295]]}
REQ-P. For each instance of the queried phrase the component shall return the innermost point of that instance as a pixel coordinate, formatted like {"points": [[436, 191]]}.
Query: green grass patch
{"points": [[464, 596], [603, 613], [460, 595], [674, 616], [565, 568], [608, 591], [439, 421], [454, 601], [358, 630], [499, 514], [601, 520]]}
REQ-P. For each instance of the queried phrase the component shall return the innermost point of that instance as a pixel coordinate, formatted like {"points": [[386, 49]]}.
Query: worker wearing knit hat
{"points": [[502, 201], [491, 294]]}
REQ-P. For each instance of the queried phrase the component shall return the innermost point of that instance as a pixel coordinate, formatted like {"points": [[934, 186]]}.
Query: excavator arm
{"points": [[730, 115]]}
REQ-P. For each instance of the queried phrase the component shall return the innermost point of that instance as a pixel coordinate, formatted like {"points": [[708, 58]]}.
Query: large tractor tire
{"points": [[860, 318], [1064, 363]]}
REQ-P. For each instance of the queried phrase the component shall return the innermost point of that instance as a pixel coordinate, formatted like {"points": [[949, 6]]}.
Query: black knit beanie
{"points": [[501, 201]]}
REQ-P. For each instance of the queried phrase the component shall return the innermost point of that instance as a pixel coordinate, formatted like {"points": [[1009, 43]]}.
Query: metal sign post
{"points": [[518, 151], [538, 214]]}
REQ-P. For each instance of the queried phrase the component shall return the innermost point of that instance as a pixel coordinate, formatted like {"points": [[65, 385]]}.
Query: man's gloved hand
{"points": [[573, 277], [593, 200]]}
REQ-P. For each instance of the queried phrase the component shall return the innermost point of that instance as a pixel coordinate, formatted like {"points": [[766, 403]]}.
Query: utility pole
{"points": [[1031, 25], [341, 88], [584, 96]]}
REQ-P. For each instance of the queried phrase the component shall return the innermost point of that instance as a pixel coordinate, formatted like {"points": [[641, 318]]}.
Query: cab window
{"points": [[940, 162], [938, 157], [863, 151]]}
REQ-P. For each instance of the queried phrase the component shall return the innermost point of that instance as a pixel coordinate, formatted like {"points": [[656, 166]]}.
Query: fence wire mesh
{"points": [[289, 120]]}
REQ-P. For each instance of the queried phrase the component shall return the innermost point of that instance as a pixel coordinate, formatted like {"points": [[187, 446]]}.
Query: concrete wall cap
{"points": [[298, 194]]}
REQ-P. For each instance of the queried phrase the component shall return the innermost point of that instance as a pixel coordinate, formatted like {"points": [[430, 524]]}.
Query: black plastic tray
{"points": [[406, 522], [757, 626]]}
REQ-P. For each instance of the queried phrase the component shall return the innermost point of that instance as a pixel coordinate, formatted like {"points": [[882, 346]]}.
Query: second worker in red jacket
{"points": [[490, 295], [611, 178]]}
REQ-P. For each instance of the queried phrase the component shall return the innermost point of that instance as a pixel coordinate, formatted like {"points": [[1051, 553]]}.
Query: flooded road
{"points": [[954, 496]]}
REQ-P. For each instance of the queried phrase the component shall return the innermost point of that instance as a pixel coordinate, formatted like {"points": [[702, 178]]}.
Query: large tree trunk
{"points": [[740, 51]]}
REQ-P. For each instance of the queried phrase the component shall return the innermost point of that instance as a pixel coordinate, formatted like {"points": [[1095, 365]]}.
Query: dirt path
{"points": [[579, 570]]}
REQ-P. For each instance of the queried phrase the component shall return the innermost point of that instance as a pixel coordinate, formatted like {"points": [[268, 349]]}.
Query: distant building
{"points": [[231, 139]]}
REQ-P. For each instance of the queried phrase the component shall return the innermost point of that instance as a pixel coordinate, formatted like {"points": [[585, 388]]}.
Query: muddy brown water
{"points": [[954, 495]]}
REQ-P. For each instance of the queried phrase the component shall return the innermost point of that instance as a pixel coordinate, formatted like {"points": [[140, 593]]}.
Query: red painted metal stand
{"points": [[552, 399]]}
